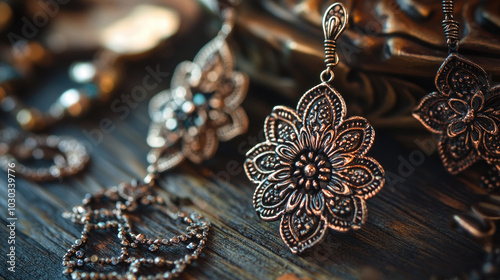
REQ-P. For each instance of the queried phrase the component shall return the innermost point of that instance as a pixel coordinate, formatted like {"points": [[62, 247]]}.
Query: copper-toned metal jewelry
{"points": [[110, 211], [202, 106], [187, 121], [465, 110], [68, 155], [465, 114], [481, 222], [312, 171]]}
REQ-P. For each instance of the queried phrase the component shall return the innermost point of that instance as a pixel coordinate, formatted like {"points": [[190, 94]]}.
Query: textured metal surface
{"points": [[201, 108], [111, 211], [465, 110], [389, 53], [409, 217], [464, 113], [312, 172], [67, 155]]}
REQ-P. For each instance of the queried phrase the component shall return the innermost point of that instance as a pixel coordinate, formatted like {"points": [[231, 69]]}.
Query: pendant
{"points": [[312, 171], [465, 110], [201, 108]]}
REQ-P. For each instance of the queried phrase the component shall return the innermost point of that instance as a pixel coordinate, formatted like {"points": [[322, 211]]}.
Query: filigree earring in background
{"points": [[465, 110], [202, 106], [312, 172]]}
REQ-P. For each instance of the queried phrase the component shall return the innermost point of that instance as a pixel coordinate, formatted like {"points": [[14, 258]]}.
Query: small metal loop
{"points": [[327, 75], [68, 155], [229, 16]]}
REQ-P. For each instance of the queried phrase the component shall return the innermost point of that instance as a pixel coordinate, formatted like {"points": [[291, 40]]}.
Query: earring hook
{"points": [[334, 23], [450, 26]]}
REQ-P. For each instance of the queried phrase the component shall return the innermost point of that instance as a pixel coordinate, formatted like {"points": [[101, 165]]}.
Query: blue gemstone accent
{"points": [[199, 99]]}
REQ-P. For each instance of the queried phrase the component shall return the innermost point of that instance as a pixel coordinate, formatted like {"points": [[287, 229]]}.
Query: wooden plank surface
{"points": [[407, 235]]}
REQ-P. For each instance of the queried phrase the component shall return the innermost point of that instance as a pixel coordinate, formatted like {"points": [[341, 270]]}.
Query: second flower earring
{"points": [[312, 172], [201, 107]]}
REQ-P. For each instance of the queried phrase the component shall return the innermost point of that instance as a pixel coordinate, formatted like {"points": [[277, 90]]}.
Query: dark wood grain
{"points": [[407, 235]]}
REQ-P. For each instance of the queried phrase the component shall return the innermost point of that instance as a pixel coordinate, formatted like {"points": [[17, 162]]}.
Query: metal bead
{"points": [[115, 218]]}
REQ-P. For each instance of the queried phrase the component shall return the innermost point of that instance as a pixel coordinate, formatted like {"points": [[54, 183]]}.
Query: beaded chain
{"points": [[127, 199]]}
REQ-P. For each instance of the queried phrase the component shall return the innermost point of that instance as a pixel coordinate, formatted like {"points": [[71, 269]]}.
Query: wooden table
{"points": [[407, 235]]}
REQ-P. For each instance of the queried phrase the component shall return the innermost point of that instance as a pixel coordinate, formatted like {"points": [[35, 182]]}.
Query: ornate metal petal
{"points": [[286, 153], [236, 125], [295, 199], [270, 199], [165, 100], [477, 101], [456, 127], [165, 158], [321, 107], [492, 102], [457, 153], [434, 112], [301, 231], [315, 203], [490, 148], [363, 176], [338, 186], [215, 57], [158, 136], [487, 124], [354, 138], [261, 161], [459, 77], [238, 90], [281, 125], [476, 135], [280, 175], [201, 146], [458, 106], [344, 212], [186, 73]]}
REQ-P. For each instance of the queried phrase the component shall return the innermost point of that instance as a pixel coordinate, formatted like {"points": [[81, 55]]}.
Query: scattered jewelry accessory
{"points": [[69, 156], [312, 172], [202, 106], [465, 111], [123, 201], [481, 223], [95, 81]]}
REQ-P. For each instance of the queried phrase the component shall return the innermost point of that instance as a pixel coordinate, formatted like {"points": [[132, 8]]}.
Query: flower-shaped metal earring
{"points": [[202, 106], [465, 111], [312, 172]]}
